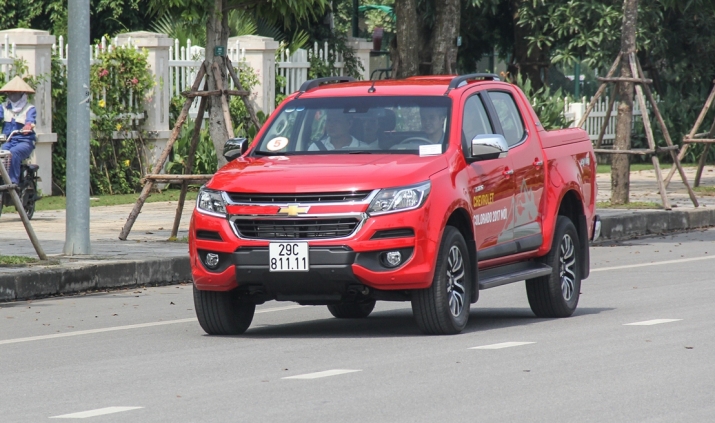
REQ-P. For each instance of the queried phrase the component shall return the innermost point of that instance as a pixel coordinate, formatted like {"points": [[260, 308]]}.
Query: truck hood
{"points": [[324, 173]]}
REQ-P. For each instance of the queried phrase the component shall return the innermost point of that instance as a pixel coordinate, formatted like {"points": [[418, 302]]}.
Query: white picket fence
{"points": [[294, 66], [7, 54], [574, 112], [61, 50]]}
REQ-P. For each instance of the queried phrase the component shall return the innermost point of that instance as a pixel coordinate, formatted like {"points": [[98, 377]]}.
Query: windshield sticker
{"points": [[430, 150], [289, 110], [277, 143]]}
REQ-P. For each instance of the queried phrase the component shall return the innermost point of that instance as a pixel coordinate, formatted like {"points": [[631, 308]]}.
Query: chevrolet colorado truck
{"points": [[427, 189]]}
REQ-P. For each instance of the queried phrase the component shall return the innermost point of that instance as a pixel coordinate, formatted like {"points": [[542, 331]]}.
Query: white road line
{"points": [[94, 413], [501, 345], [326, 373], [652, 322], [115, 328], [656, 263]]}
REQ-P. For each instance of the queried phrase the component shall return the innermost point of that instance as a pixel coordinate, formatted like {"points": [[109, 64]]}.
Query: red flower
{"points": [[103, 73], [135, 81]]}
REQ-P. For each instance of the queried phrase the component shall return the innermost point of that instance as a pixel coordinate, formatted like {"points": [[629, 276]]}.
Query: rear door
{"points": [[528, 161], [491, 184]]}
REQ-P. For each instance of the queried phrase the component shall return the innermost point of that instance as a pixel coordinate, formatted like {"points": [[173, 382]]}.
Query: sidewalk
{"points": [[147, 258]]}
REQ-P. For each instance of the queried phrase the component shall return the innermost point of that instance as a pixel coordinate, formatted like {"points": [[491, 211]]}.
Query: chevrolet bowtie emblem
{"points": [[293, 210]]}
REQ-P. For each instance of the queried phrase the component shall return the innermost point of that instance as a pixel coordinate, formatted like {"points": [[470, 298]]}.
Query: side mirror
{"points": [[488, 147], [234, 148]]}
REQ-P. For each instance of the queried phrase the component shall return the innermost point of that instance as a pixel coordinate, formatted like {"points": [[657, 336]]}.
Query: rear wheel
{"points": [[352, 310], [223, 313], [443, 308], [557, 294]]}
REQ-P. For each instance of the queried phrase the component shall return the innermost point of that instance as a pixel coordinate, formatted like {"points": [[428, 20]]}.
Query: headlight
{"points": [[211, 202], [399, 199]]}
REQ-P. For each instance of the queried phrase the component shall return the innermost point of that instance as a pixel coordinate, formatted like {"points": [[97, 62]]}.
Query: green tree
{"points": [[216, 15]]}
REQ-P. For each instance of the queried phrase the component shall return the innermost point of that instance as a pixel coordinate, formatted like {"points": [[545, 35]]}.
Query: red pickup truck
{"points": [[427, 189]]}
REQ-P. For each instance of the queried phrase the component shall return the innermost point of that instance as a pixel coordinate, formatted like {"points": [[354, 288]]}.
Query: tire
{"points": [[557, 295], [27, 198], [352, 310], [443, 308], [223, 313]]}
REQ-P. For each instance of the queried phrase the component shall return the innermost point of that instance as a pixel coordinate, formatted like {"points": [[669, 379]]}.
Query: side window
{"points": [[511, 122], [475, 120]]}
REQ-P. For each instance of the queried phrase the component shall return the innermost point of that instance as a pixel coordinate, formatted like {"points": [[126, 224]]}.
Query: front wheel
{"points": [[223, 313], [443, 308], [557, 294], [27, 198]]}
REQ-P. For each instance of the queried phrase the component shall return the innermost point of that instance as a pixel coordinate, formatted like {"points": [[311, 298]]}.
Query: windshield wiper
{"points": [[360, 152], [270, 153]]}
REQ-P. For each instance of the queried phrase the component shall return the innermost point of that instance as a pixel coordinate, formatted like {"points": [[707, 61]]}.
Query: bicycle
{"points": [[27, 183]]}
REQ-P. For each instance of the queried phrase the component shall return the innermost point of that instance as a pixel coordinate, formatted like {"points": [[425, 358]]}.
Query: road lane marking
{"points": [[94, 413], [326, 373], [126, 327], [656, 263], [501, 345], [652, 322]]}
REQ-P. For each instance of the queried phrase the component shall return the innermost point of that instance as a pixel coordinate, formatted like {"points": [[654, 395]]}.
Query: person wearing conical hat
{"points": [[17, 114]]}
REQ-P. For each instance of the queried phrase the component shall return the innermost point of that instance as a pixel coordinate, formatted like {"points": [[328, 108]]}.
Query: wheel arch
{"points": [[460, 219], [571, 206]]}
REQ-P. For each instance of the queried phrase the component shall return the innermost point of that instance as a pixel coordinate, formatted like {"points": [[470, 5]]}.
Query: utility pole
{"points": [[78, 97]]}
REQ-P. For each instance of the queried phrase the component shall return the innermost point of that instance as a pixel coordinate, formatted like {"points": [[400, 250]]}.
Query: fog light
{"points": [[393, 258], [211, 260]]}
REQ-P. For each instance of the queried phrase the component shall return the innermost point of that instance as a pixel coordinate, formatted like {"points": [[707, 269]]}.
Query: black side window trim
{"points": [[495, 117]]}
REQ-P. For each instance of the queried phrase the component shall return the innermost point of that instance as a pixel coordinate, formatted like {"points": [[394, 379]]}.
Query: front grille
{"points": [[326, 197], [296, 228]]}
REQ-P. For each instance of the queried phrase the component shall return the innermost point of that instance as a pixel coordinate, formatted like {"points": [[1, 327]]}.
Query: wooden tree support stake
{"points": [[9, 186], [690, 138], [162, 159], [189, 166], [643, 93]]}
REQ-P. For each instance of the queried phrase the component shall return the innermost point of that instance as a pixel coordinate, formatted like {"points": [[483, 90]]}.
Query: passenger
{"points": [[433, 121], [337, 127]]}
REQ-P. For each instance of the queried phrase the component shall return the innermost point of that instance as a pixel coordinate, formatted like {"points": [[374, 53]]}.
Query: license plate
{"points": [[288, 257]]}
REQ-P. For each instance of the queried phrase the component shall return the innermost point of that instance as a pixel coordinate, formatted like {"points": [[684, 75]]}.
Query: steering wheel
{"points": [[416, 140]]}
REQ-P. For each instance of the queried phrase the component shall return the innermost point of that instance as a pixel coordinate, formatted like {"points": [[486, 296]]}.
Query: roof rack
{"points": [[314, 83], [458, 80]]}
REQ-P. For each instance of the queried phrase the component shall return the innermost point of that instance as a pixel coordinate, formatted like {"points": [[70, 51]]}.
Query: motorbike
{"points": [[27, 183]]}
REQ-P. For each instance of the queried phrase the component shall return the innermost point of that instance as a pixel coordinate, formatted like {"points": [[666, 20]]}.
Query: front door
{"points": [[491, 186], [528, 161]]}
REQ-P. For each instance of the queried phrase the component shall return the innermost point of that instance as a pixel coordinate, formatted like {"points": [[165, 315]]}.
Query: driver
{"points": [[433, 119], [18, 114], [337, 126]]}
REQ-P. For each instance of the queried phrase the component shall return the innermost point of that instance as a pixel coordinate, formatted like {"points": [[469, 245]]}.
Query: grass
{"points": [[634, 205], [60, 203], [10, 260], [606, 168], [709, 191]]}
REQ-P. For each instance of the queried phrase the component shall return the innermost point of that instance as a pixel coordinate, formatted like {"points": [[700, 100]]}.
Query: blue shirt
{"points": [[8, 127]]}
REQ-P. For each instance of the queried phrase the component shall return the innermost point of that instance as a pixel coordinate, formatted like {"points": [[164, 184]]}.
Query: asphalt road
{"points": [[140, 356]]}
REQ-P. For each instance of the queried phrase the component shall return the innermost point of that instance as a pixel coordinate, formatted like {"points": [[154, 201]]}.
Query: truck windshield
{"points": [[353, 125]]}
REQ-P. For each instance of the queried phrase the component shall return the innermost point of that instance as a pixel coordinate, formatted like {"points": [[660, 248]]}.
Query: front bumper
{"points": [[338, 268]]}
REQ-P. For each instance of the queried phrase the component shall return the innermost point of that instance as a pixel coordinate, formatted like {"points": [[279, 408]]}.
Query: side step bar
{"points": [[510, 273]]}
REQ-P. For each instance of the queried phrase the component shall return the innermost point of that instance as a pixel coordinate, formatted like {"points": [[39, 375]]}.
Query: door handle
{"points": [[538, 162], [508, 172]]}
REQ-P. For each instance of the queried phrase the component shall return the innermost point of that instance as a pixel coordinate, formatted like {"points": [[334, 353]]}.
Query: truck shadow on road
{"points": [[400, 323]]}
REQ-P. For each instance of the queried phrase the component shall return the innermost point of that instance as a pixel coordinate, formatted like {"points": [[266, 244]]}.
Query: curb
{"points": [[633, 225], [63, 280]]}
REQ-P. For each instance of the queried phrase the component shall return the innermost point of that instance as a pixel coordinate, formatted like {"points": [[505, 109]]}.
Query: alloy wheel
{"points": [[455, 278], [567, 261]]}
